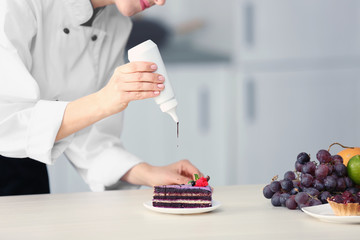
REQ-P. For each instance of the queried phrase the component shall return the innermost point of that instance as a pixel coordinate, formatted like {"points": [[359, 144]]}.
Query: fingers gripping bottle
{"points": [[149, 52]]}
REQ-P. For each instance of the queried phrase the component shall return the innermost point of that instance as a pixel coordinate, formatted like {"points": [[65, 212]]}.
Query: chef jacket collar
{"points": [[91, 20], [80, 11]]}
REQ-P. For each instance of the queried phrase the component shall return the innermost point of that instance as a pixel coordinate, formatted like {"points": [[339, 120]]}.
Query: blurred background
{"points": [[257, 83]]}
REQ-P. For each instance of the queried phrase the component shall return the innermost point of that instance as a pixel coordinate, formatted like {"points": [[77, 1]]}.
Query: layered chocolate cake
{"points": [[193, 195]]}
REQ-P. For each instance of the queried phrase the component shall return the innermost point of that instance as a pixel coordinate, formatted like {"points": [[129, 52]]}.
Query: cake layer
{"points": [[181, 205], [182, 197], [182, 189], [183, 194]]}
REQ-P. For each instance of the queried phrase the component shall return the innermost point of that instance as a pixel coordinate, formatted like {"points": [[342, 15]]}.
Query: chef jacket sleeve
{"points": [[99, 156], [28, 125]]}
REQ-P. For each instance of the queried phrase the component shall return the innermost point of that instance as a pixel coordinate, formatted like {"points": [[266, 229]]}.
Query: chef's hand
{"points": [[129, 82], [132, 81], [180, 172]]}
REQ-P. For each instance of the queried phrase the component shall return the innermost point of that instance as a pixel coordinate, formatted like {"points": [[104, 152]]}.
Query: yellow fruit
{"points": [[353, 169], [348, 153]]}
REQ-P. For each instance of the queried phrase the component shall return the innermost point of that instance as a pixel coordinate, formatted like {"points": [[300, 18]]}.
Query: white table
{"points": [[244, 214]]}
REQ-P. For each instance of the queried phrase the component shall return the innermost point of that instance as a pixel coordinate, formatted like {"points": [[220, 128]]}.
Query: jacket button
{"points": [[94, 37], [66, 30]]}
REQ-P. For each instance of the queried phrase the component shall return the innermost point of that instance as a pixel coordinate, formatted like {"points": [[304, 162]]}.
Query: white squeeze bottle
{"points": [[149, 52]]}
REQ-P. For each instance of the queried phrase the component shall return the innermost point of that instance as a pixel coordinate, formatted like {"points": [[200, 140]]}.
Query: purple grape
{"points": [[275, 186], [331, 169], [304, 204], [312, 191], [337, 159], [303, 158], [289, 175], [321, 171], [287, 185], [330, 183], [334, 175], [319, 185], [353, 190], [323, 156], [349, 183], [314, 202], [275, 200], [283, 198], [309, 168], [307, 180], [301, 198], [267, 192], [340, 184], [291, 203], [324, 196], [340, 170], [280, 181], [298, 166]]}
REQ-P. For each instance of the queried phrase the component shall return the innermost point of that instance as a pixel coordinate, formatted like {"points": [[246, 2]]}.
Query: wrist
{"points": [[140, 174], [109, 102], [101, 104]]}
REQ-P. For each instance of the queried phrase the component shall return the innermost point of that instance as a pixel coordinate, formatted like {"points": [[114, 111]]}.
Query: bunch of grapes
{"points": [[312, 183]]}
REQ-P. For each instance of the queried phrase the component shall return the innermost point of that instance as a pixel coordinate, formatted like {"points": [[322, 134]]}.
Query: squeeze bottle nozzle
{"points": [[149, 52]]}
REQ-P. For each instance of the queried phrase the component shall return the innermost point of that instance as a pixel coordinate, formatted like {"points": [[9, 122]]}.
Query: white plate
{"points": [[214, 206], [325, 213]]}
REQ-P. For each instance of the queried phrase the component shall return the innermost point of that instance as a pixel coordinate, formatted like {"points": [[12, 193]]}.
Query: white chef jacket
{"points": [[48, 59]]}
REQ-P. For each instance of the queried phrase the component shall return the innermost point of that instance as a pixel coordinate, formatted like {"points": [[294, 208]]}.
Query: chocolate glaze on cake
{"points": [[182, 196]]}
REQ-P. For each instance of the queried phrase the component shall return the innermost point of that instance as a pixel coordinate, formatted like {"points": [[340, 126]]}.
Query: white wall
{"points": [[218, 24]]}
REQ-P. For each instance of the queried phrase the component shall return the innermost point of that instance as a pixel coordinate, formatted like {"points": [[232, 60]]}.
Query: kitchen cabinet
{"points": [[284, 113], [297, 65], [283, 30]]}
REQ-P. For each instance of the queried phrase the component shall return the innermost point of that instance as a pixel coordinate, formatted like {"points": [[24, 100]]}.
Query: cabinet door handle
{"points": [[249, 14], [204, 109], [250, 93]]}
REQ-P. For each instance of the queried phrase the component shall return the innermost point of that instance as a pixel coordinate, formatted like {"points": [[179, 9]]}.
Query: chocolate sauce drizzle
{"points": [[177, 129], [177, 133]]}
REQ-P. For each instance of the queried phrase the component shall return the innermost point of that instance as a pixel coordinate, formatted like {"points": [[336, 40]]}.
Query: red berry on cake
{"points": [[201, 182]]}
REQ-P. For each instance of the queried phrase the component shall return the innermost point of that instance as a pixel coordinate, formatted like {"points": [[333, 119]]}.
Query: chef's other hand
{"points": [[132, 81], [180, 172]]}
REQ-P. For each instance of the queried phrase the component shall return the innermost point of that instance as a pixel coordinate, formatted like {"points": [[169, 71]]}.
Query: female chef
{"points": [[63, 89]]}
